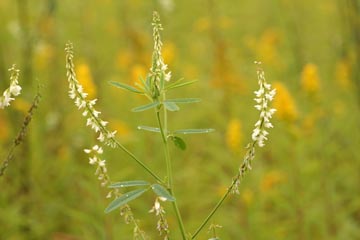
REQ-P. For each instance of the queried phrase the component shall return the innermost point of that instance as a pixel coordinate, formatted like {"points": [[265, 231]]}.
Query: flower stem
{"points": [[163, 130], [217, 206]]}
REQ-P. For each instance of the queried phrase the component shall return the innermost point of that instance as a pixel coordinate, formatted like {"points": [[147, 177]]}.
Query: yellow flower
{"points": [[168, 52], [138, 71], [43, 55], [122, 129], [271, 180], [234, 136], [4, 128], [284, 103], [202, 24], [310, 80], [247, 196], [21, 105], [343, 73], [266, 48], [124, 59], [85, 78]]}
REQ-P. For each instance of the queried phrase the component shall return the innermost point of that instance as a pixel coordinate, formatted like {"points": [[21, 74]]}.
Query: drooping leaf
{"points": [[150, 129], [162, 192], [171, 106], [184, 100], [194, 131], [180, 84], [145, 107], [133, 183], [124, 199], [179, 142], [126, 87]]}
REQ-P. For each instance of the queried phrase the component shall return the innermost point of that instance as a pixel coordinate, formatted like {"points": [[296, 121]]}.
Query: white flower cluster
{"points": [[158, 68], [162, 225], [77, 93], [13, 90], [263, 97], [95, 159]]}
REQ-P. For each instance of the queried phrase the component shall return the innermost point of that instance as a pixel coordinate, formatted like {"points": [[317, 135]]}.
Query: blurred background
{"points": [[304, 183]]}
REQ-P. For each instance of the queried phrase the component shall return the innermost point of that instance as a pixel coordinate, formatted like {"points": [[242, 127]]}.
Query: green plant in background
{"points": [[155, 87], [8, 96]]}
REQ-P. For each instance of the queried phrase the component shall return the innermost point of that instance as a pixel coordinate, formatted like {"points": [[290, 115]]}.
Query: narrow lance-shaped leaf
{"points": [[194, 131], [150, 129], [184, 100], [145, 107], [124, 199], [133, 183], [171, 106], [162, 192], [126, 87], [180, 84]]}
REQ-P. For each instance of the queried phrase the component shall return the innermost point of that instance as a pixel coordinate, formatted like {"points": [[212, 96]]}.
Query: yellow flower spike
{"points": [[247, 196], [21, 105], [169, 52], [234, 135], [267, 48], [271, 180], [124, 59], [284, 104], [138, 71], [310, 80], [202, 24], [343, 73], [4, 128], [84, 76], [44, 53]]}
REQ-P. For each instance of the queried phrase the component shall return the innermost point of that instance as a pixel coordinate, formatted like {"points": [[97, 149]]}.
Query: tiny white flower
{"points": [[93, 160], [15, 90]]}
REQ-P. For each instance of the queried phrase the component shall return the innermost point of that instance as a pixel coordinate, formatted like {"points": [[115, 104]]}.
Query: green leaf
{"points": [[179, 142], [162, 192], [129, 184], [183, 100], [145, 107], [194, 131], [178, 84], [171, 106], [124, 199], [150, 129], [126, 87]]}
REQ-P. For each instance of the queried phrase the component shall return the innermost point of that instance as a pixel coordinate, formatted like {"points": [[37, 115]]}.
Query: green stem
{"points": [[143, 165], [163, 130], [217, 206], [146, 168]]}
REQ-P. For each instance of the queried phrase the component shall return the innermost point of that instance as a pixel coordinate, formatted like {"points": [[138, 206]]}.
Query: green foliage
{"points": [[124, 199], [162, 192]]}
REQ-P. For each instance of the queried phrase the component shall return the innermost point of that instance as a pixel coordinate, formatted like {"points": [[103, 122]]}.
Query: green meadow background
{"points": [[305, 183]]}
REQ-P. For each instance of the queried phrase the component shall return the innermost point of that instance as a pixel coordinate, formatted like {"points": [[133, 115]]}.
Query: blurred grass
{"points": [[305, 182]]}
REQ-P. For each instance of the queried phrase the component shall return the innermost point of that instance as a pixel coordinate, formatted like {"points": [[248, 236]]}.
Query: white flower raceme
{"points": [[77, 93], [13, 90], [95, 159], [263, 97], [158, 68], [162, 224]]}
